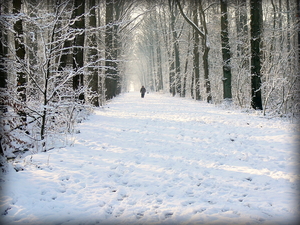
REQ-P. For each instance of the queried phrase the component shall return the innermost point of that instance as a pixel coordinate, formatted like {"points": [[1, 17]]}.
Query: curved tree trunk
{"points": [[204, 34]]}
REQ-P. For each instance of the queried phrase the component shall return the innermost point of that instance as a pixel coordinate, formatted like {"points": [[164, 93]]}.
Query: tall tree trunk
{"points": [[225, 52], [177, 68], [288, 26], [298, 14], [20, 55], [3, 55], [184, 86], [256, 30], [205, 53], [93, 55], [242, 30], [110, 80], [242, 49], [78, 55], [118, 8], [65, 61], [196, 58], [3, 71], [172, 73], [176, 88], [151, 79], [159, 77]]}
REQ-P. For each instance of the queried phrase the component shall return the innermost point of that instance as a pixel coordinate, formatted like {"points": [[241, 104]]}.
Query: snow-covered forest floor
{"points": [[160, 160]]}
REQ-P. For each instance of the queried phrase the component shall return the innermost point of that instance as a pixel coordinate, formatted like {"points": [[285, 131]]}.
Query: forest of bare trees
{"points": [[61, 58]]}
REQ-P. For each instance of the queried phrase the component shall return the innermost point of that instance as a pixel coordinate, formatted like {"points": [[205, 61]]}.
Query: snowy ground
{"points": [[161, 160]]}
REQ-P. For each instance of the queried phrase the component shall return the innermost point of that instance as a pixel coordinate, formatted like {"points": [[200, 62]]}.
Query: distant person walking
{"points": [[143, 91]]}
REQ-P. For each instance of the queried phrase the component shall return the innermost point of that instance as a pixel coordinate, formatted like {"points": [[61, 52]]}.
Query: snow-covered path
{"points": [[161, 160]]}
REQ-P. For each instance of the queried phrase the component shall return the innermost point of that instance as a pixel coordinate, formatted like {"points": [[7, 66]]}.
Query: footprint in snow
{"points": [[109, 209], [170, 194], [119, 212], [168, 215], [225, 209], [64, 178], [248, 178], [186, 203], [83, 185], [139, 215], [159, 201], [189, 193], [113, 167], [199, 210], [121, 195], [61, 190], [101, 203], [211, 202]]}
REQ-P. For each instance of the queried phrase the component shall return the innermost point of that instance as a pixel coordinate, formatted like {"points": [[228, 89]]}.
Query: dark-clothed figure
{"points": [[143, 91]]}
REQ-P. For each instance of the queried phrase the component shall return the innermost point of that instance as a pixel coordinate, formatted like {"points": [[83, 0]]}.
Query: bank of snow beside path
{"points": [[160, 160]]}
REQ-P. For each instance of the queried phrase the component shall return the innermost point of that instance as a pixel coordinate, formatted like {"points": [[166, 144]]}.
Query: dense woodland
{"points": [[62, 58]]}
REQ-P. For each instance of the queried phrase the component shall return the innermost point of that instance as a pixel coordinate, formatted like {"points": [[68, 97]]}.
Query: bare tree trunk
{"points": [[78, 55], [205, 54], [172, 75], [204, 34], [159, 79], [3, 73], [196, 58], [110, 81], [242, 50], [298, 13], [225, 52], [93, 55], [184, 86], [256, 29], [118, 9], [177, 84], [3, 55], [20, 54]]}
